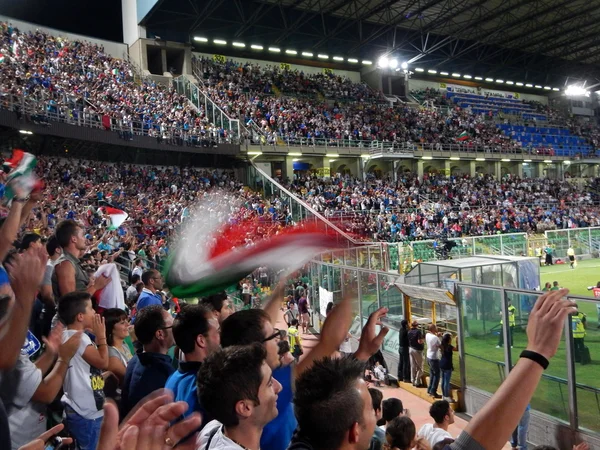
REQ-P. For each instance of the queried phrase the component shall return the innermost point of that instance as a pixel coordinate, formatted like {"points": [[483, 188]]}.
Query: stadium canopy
{"points": [[538, 41]]}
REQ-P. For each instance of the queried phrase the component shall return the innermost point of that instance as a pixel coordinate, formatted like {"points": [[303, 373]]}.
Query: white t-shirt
{"points": [[433, 346], [83, 386], [213, 432], [433, 434], [26, 419]]}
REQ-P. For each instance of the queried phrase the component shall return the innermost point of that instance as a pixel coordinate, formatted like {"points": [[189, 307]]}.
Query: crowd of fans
{"points": [[50, 77], [78, 82], [434, 206], [229, 382]]}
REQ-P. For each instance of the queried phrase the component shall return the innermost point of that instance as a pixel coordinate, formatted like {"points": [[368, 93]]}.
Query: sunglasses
{"points": [[278, 334]]}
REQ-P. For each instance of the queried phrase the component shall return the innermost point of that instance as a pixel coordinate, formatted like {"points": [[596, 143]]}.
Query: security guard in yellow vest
{"points": [[579, 324], [512, 322]]}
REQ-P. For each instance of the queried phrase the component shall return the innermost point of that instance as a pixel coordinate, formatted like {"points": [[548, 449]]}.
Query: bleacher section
{"points": [[482, 104], [559, 140]]}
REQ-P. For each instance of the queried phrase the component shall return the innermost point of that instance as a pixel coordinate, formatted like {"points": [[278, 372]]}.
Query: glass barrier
{"points": [[586, 340], [484, 356]]}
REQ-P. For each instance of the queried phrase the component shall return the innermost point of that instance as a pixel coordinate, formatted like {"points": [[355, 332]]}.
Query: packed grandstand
{"points": [[130, 217]]}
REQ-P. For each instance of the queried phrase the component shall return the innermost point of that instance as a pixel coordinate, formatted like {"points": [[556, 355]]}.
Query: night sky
{"points": [[100, 19]]}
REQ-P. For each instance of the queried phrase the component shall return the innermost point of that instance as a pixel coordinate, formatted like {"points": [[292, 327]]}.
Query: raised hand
{"points": [[98, 327], [370, 340]]}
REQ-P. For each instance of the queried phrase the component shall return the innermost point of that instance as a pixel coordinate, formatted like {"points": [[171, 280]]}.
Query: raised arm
{"points": [[493, 424]]}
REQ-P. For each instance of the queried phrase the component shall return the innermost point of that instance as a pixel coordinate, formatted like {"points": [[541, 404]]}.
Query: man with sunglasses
{"points": [[249, 326], [149, 370]]}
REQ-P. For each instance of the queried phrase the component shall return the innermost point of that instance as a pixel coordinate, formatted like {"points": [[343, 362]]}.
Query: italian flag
{"points": [[21, 174], [211, 257], [463, 136], [1, 58], [116, 216]]}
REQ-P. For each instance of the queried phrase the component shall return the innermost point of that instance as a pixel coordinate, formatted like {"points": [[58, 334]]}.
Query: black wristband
{"points": [[540, 359]]}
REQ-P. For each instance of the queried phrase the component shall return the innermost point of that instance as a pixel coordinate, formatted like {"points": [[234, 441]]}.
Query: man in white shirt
{"points": [[443, 416], [236, 387], [433, 359]]}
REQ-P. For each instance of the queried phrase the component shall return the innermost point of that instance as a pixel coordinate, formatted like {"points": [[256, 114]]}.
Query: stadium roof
{"points": [[538, 41]]}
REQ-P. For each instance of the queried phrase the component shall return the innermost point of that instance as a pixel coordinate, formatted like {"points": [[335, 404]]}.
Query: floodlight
{"points": [[404, 65], [256, 47], [239, 44], [383, 62], [576, 91], [393, 63], [200, 39]]}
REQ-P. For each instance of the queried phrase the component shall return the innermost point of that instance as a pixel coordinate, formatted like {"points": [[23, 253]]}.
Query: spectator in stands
{"points": [[117, 330], [237, 388], [415, 343], [319, 391], [151, 295], [149, 370], [83, 386], [390, 409], [447, 366], [138, 269], [433, 359], [220, 305], [69, 275], [131, 295], [38, 386], [401, 434], [443, 416], [196, 333], [378, 438], [404, 358]]}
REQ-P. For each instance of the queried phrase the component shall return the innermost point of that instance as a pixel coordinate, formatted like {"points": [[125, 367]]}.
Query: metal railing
{"points": [[204, 103], [44, 111]]}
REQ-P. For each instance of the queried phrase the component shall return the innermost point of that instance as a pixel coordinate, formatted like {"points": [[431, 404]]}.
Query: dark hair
{"points": [[438, 410], [65, 230], [28, 239], [52, 245], [376, 398], [327, 390], [135, 278], [228, 377], [328, 308], [446, 340], [294, 322], [112, 317], [71, 304], [147, 322], [404, 324], [147, 275], [402, 431], [391, 408], [441, 445], [284, 347], [189, 323], [215, 301], [244, 327]]}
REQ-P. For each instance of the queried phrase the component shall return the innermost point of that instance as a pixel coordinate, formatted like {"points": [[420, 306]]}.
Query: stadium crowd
{"points": [[201, 376], [81, 84], [198, 375], [436, 205]]}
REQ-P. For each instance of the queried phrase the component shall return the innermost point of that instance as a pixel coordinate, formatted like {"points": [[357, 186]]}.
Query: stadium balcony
{"points": [[40, 116]]}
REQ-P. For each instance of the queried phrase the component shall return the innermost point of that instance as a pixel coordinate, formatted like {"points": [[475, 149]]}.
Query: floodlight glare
{"points": [[489, 79], [338, 58], [432, 71], [322, 56], [219, 41], [479, 78], [529, 85], [383, 62], [307, 54], [510, 82], [500, 81], [404, 65], [456, 75], [352, 60], [393, 63], [576, 91], [467, 77], [418, 69], [274, 49], [256, 47], [291, 52], [200, 39], [366, 62], [444, 73], [518, 83]]}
